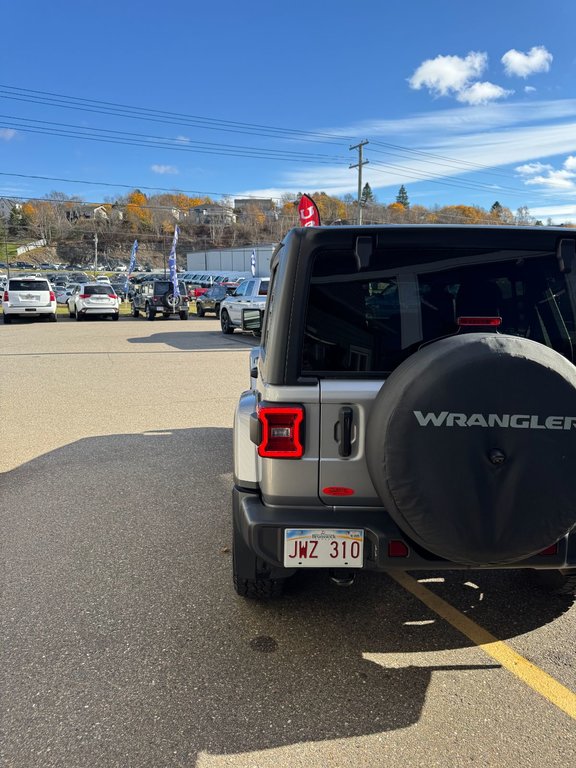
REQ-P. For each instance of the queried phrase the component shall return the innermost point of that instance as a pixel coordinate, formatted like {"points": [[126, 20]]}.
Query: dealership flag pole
{"points": [[172, 263], [131, 265]]}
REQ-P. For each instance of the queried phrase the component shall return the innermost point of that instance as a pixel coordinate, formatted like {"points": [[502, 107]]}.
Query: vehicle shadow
{"points": [[198, 340], [124, 638]]}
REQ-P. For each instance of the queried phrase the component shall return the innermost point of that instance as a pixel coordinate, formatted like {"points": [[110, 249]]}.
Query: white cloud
{"points": [[557, 213], [547, 177], [529, 89], [445, 75], [531, 168], [556, 180], [519, 64], [7, 133], [481, 93], [164, 169]]}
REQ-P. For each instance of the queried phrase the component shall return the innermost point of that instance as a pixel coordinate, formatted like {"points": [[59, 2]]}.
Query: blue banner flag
{"points": [[253, 263], [132, 264], [172, 262]]}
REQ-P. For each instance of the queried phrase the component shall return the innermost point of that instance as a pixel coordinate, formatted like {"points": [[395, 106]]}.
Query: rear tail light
{"points": [[112, 296], [5, 296], [492, 322], [552, 550], [84, 296], [52, 296], [281, 436]]}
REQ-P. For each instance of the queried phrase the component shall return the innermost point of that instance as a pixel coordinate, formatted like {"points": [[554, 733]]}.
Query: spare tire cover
{"points": [[471, 446]]}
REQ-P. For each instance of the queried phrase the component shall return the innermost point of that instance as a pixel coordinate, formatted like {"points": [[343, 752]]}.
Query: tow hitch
{"points": [[342, 578]]}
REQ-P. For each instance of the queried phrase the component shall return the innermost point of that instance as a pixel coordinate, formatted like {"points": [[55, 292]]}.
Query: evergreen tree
{"points": [[402, 197], [367, 195]]}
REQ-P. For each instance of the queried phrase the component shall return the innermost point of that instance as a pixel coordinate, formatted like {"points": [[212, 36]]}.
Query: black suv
{"points": [[156, 297], [412, 406]]}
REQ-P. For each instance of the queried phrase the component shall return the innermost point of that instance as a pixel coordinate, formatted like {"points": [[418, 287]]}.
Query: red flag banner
{"points": [[308, 212]]}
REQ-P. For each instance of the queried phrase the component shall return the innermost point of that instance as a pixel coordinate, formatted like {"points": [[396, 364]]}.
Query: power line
{"points": [[142, 113], [123, 186], [457, 183], [123, 110], [159, 142]]}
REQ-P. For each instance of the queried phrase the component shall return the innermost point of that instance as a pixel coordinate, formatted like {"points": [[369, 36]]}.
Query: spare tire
{"points": [[471, 446], [171, 300]]}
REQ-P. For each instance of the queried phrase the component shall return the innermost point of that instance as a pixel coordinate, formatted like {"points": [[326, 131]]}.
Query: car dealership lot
{"points": [[123, 642]]}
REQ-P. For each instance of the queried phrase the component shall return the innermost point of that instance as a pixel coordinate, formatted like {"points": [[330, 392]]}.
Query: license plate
{"points": [[323, 548]]}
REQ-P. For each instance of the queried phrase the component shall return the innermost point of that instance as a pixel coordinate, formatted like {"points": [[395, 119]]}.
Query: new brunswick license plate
{"points": [[323, 548]]}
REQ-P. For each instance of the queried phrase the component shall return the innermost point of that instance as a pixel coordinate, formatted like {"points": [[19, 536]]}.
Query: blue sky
{"points": [[462, 103]]}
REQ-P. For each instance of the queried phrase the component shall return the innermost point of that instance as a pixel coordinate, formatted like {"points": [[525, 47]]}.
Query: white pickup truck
{"points": [[250, 294]]}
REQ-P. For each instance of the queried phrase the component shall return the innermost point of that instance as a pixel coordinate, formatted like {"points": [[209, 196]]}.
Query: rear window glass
{"points": [[263, 290], [92, 290], [162, 286], [371, 321], [28, 285]]}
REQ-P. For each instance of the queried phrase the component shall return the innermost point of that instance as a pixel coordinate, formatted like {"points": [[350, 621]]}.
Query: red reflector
{"points": [[338, 490], [397, 548], [281, 428], [553, 550], [489, 321]]}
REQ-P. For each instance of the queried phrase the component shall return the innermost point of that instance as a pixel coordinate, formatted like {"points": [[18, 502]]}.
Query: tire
{"points": [[52, 317], [217, 311], [116, 315], [184, 315], [135, 312], [560, 582], [171, 301], [150, 313], [7, 319], [458, 466], [71, 314], [78, 316], [249, 574], [200, 310], [225, 324]]}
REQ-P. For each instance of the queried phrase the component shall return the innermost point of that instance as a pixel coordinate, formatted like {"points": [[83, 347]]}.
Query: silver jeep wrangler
{"points": [[412, 406]]}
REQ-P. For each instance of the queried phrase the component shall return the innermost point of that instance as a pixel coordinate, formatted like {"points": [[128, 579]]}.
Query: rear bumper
{"points": [[98, 311], [17, 311], [262, 528]]}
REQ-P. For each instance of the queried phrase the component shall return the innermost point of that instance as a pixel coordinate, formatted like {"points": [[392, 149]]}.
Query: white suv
{"points": [[94, 299], [28, 297]]}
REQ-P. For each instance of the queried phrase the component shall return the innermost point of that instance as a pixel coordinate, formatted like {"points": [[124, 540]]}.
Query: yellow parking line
{"points": [[524, 670]]}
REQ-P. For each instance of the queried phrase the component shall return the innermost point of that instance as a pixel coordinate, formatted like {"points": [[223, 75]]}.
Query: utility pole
{"points": [[359, 165], [95, 254]]}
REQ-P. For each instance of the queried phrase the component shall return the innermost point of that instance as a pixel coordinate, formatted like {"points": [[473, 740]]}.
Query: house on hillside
{"points": [[246, 206], [212, 213], [86, 211]]}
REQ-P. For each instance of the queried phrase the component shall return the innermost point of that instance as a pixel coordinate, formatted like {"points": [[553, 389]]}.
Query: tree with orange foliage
{"points": [[138, 214]]}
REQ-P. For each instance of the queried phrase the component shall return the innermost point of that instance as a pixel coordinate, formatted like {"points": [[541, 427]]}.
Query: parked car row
{"points": [[151, 298]]}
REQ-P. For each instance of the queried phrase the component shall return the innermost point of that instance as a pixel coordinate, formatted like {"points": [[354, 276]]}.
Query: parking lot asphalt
{"points": [[123, 643]]}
